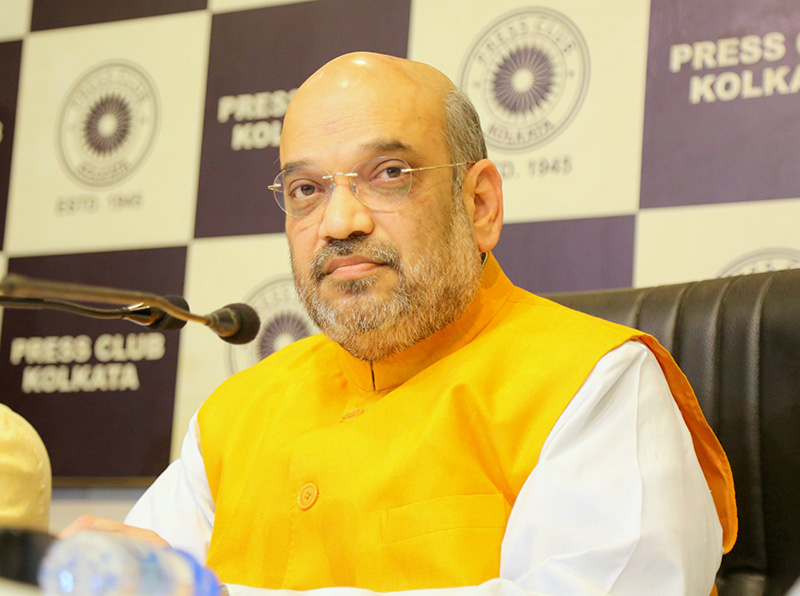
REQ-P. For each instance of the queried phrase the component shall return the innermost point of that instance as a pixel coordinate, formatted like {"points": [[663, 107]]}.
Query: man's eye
{"points": [[390, 169], [393, 172], [303, 191]]}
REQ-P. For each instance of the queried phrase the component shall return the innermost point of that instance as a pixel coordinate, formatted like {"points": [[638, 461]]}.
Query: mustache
{"points": [[379, 251]]}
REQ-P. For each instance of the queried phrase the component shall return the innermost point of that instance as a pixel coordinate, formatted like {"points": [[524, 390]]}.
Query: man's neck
{"points": [[393, 370]]}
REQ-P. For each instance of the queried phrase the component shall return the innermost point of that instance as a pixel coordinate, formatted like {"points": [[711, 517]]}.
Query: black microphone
{"points": [[235, 323]]}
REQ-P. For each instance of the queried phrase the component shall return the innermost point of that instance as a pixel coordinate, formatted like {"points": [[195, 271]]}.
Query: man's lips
{"points": [[350, 266]]}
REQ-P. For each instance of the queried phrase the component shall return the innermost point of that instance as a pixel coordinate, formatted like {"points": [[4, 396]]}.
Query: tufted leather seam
{"points": [[751, 482]]}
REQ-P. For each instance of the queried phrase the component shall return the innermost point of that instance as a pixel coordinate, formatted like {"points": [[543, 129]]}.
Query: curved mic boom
{"points": [[154, 317], [235, 323], [141, 314]]}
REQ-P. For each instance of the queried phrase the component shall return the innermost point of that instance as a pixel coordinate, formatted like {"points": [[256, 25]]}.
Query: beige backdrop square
{"points": [[3, 271], [592, 165], [231, 5], [679, 244], [15, 18], [220, 271], [108, 136]]}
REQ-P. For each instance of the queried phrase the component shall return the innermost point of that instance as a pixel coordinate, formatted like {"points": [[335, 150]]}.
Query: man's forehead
{"points": [[378, 69], [357, 94], [379, 146]]}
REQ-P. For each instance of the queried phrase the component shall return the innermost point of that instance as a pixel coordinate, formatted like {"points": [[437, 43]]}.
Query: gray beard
{"points": [[429, 295]]}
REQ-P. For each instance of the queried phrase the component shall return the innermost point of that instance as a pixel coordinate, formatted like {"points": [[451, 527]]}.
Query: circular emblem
{"points": [[527, 74], [107, 124], [283, 321], [761, 261]]}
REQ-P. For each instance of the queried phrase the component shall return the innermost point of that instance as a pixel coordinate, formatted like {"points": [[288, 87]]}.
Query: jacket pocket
{"points": [[441, 514]]}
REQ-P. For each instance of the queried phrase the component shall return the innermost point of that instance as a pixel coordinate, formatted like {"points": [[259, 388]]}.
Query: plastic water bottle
{"points": [[104, 564]]}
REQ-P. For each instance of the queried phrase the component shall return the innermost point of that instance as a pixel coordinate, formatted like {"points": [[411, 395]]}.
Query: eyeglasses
{"points": [[378, 183]]}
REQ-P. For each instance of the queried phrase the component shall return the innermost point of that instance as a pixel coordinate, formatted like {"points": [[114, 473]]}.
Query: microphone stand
{"points": [[19, 286], [78, 309], [235, 323]]}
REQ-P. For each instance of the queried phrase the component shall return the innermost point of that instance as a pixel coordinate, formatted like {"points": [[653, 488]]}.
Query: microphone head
{"points": [[165, 321], [248, 323]]}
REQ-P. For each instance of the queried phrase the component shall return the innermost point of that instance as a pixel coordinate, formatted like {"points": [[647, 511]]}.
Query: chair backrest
{"points": [[737, 339]]}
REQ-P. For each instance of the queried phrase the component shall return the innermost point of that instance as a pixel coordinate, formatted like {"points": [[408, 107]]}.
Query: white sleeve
{"points": [[617, 503], [178, 505]]}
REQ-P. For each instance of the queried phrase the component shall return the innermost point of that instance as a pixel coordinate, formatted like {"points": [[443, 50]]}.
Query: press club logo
{"points": [[761, 261], [107, 124], [527, 74], [283, 321]]}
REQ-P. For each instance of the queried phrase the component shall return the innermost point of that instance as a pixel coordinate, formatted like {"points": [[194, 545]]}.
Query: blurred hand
{"points": [[100, 524]]}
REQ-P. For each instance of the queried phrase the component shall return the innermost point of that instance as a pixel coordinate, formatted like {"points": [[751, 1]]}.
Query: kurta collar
{"points": [[398, 368]]}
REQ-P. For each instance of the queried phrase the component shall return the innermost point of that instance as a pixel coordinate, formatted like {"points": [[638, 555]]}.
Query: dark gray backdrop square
{"points": [[52, 14], [568, 255], [720, 152], [270, 49], [101, 434], [10, 53]]}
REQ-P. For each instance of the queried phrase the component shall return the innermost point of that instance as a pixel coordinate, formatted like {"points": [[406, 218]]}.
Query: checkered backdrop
{"points": [[638, 144]]}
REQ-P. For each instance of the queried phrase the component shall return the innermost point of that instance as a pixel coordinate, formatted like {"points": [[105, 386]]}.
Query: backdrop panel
{"points": [[692, 243], [107, 142], [51, 14], [3, 266], [570, 255], [258, 59], [15, 19], [9, 78], [100, 393], [560, 97], [721, 120], [130, 135], [230, 5], [262, 280]]}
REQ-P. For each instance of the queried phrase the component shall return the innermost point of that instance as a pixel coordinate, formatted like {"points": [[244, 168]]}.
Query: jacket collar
{"points": [[398, 368]]}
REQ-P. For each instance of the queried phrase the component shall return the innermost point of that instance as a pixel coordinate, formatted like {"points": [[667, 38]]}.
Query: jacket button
{"points": [[308, 496], [352, 414]]}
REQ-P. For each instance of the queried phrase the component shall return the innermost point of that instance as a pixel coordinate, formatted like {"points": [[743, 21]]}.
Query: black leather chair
{"points": [[738, 341]]}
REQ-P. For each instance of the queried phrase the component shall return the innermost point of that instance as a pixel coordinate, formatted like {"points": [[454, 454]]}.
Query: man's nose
{"points": [[344, 214]]}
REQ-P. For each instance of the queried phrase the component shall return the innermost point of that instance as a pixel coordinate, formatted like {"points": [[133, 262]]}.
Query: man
{"points": [[448, 430]]}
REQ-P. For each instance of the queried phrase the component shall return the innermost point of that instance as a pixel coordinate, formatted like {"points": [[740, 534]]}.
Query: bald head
{"points": [[353, 89], [367, 76], [381, 69]]}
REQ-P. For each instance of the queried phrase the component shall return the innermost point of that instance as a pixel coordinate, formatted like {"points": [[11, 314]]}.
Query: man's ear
{"points": [[483, 197]]}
